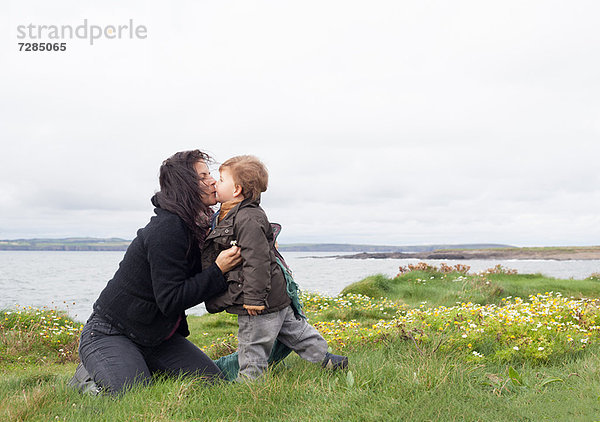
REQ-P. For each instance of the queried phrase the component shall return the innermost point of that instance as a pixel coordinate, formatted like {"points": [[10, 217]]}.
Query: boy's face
{"points": [[226, 187]]}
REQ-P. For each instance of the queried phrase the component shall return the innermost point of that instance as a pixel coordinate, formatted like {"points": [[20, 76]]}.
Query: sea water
{"points": [[72, 281]]}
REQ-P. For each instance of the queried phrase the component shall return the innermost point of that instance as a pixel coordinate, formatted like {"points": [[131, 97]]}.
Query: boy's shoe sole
{"points": [[335, 362]]}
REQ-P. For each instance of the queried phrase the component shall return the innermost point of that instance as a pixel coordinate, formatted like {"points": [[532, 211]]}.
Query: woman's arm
{"points": [[175, 290]]}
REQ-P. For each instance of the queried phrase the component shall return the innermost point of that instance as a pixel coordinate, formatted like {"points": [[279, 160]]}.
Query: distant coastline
{"points": [[545, 253], [118, 244], [448, 252], [344, 247], [65, 244]]}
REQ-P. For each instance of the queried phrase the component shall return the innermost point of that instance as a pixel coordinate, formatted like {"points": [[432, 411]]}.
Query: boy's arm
{"points": [[256, 266]]}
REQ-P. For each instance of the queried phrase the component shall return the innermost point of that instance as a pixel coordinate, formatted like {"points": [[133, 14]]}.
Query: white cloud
{"points": [[387, 122]]}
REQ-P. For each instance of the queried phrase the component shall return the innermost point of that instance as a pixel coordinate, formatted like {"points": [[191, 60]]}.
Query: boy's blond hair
{"points": [[249, 173]]}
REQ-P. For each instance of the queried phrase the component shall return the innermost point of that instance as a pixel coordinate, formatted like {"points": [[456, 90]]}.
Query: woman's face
{"points": [[207, 184]]}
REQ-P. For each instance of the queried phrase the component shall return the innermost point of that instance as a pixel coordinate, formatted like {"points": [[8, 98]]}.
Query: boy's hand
{"points": [[254, 310]]}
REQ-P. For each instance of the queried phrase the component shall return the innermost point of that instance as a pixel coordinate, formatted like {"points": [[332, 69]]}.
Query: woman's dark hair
{"points": [[181, 191]]}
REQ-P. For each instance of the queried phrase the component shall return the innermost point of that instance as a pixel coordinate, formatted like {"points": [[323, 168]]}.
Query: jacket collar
{"points": [[246, 203], [154, 201]]}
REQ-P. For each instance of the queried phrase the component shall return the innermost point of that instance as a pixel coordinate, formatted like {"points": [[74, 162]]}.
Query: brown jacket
{"points": [[259, 279]]}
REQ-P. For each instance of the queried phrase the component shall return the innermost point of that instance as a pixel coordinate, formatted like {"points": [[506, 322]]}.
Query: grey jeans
{"points": [[256, 335], [116, 363]]}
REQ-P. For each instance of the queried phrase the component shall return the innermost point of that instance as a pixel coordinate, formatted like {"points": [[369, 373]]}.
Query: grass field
{"points": [[430, 344]]}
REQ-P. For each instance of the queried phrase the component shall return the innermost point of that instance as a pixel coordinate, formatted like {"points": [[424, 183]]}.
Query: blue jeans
{"points": [[116, 363]]}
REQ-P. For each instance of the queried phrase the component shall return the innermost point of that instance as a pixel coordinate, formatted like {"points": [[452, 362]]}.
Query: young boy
{"points": [[257, 289]]}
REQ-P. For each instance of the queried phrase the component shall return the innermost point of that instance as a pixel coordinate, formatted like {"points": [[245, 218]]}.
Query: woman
{"points": [[138, 326]]}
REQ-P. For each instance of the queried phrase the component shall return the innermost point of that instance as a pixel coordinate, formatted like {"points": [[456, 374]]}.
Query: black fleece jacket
{"points": [[159, 278]]}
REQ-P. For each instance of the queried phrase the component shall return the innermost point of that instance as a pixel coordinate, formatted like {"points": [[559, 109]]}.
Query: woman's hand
{"points": [[254, 310], [229, 259]]}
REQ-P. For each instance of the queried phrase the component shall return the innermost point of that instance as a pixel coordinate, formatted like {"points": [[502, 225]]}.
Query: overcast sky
{"points": [[381, 122]]}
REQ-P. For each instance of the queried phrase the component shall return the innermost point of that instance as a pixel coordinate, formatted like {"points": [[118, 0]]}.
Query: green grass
{"points": [[391, 383], [407, 371], [446, 289]]}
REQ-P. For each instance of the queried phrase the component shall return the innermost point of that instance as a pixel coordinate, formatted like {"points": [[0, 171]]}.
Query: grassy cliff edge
{"points": [[434, 343]]}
